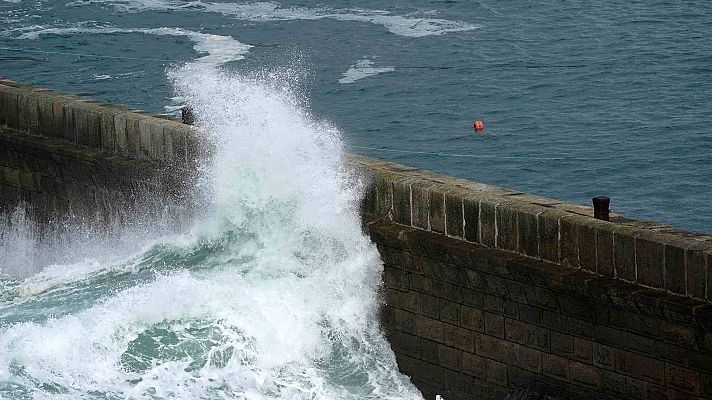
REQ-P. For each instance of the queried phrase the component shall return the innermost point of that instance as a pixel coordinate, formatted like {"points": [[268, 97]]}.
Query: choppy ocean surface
{"points": [[579, 99], [273, 291], [270, 291]]}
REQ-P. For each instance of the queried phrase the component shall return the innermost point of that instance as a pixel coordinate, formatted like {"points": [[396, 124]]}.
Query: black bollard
{"points": [[600, 207], [187, 115]]}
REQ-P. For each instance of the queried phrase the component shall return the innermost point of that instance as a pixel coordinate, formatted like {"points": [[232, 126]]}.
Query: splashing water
{"points": [[363, 69], [273, 294]]}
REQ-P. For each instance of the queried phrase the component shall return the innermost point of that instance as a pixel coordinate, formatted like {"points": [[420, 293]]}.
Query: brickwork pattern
{"points": [[489, 289], [62, 154], [88, 123], [646, 253], [54, 179], [469, 322]]}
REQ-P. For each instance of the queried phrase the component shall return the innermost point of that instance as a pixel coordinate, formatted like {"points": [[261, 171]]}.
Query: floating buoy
{"points": [[479, 126]]}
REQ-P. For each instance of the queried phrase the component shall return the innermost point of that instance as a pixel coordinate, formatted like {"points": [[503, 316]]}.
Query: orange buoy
{"points": [[479, 126]]}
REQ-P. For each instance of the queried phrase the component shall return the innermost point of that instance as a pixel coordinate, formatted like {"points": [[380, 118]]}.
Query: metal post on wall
{"points": [[187, 115], [600, 207]]}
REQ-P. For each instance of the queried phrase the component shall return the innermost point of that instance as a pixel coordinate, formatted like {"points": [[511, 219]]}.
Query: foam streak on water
{"points": [[218, 49], [272, 11], [273, 294], [363, 69]]}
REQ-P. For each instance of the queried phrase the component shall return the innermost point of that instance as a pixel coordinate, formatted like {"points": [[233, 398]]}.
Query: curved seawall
{"points": [[486, 289]]}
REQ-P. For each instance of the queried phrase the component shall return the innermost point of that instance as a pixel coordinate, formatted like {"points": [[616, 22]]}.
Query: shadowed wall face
{"points": [[53, 180], [65, 156], [488, 290]]}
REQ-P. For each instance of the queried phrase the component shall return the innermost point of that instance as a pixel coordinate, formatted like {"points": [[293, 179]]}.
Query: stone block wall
{"points": [[54, 180], [646, 253], [62, 154], [96, 125], [489, 289]]}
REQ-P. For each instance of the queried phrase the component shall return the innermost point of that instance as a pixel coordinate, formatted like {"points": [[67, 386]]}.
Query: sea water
{"points": [[272, 292], [578, 99]]}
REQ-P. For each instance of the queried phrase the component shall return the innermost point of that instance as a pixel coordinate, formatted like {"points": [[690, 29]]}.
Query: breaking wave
{"points": [[273, 293]]}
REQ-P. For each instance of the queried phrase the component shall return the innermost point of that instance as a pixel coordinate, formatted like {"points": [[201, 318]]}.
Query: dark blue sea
{"points": [[579, 98]]}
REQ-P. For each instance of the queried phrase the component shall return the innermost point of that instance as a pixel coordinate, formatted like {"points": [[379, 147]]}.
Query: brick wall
{"points": [[54, 180], [647, 253], [64, 155], [489, 289]]}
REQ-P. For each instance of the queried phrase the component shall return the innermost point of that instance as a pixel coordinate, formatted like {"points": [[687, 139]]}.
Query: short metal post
{"points": [[600, 207], [187, 115]]}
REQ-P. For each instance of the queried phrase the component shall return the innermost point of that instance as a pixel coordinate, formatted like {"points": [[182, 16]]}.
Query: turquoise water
{"points": [[578, 99], [272, 290]]}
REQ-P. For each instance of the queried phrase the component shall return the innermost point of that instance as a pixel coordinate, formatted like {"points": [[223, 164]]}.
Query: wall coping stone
{"points": [[94, 124], [645, 254]]}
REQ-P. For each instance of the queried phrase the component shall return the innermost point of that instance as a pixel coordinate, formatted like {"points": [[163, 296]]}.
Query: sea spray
{"points": [[272, 294], [29, 250]]}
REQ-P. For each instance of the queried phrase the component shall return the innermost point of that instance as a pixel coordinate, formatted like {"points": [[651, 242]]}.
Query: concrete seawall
{"points": [[489, 288], [62, 154], [486, 289]]}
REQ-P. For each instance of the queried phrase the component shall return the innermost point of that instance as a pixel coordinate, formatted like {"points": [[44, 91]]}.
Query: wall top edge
{"points": [[7, 85], [525, 202], [510, 198]]}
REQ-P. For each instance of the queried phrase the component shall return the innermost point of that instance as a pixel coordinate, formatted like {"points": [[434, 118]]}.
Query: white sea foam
{"points": [[218, 49], [397, 24], [273, 294], [122, 75], [68, 250], [410, 26], [363, 69], [131, 5]]}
